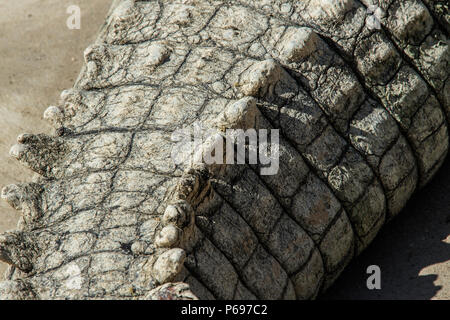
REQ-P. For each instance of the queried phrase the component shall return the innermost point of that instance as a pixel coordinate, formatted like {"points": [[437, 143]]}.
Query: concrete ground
{"points": [[40, 57]]}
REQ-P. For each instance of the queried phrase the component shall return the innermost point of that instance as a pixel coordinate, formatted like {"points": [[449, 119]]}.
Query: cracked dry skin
{"points": [[362, 114]]}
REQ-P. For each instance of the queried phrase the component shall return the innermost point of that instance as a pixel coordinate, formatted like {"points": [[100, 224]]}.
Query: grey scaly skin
{"points": [[362, 113]]}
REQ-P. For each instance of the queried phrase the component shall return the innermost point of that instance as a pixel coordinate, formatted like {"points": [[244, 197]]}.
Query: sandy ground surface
{"points": [[40, 57]]}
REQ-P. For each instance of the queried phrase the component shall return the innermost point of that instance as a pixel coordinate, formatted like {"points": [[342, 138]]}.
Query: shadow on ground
{"points": [[412, 251]]}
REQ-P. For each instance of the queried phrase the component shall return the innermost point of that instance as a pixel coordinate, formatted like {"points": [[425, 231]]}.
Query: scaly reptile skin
{"points": [[362, 113]]}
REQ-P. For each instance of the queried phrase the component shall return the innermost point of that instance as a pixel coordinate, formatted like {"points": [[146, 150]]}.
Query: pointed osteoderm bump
{"points": [[25, 197], [168, 265], [16, 251], [54, 116], [260, 78], [298, 43], [241, 114], [37, 152]]}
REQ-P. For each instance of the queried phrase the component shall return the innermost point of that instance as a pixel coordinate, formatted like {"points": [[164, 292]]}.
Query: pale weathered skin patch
{"points": [[362, 113]]}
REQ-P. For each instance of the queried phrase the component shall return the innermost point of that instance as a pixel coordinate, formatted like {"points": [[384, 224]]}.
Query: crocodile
{"points": [[356, 90]]}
